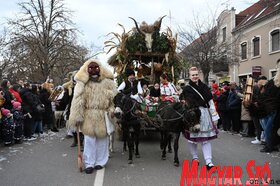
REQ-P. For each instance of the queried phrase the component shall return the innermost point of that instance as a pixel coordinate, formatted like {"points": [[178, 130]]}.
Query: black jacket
{"points": [[28, 103]]}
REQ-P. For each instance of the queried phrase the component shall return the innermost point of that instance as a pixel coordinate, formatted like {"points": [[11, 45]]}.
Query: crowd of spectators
{"points": [[26, 111], [257, 117]]}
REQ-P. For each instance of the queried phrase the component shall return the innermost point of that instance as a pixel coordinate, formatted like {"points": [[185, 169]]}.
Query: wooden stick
{"points": [[80, 158]]}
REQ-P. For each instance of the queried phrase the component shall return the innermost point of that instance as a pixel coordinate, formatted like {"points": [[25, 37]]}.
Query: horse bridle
{"points": [[181, 115], [133, 106]]}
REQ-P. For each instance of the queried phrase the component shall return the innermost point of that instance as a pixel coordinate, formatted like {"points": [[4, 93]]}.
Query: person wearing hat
{"points": [[93, 97], [7, 127], [131, 86], [180, 85], [18, 121]]}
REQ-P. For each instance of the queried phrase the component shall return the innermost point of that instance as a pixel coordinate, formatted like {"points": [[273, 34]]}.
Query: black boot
{"points": [[269, 149], [54, 129], [75, 141]]}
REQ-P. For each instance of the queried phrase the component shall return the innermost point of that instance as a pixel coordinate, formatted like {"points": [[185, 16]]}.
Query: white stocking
{"points": [[207, 152], [193, 149]]}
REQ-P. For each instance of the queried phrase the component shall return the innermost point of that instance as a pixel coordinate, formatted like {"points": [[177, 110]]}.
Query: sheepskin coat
{"points": [[91, 99]]}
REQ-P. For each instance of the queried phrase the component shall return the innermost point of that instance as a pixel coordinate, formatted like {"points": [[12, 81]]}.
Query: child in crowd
{"points": [[18, 121], [8, 127]]}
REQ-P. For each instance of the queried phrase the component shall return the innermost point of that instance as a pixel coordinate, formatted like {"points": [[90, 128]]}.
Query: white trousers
{"points": [[206, 149], [96, 151]]}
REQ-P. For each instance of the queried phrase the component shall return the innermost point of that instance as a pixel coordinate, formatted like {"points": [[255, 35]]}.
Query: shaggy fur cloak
{"points": [[68, 86], [91, 100]]}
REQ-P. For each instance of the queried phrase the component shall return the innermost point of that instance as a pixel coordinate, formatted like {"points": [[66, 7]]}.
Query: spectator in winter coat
{"points": [[7, 127], [270, 98], [252, 107], [222, 108], [18, 121], [216, 93], [38, 114], [28, 107], [234, 107], [48, 115], [15, 92]]}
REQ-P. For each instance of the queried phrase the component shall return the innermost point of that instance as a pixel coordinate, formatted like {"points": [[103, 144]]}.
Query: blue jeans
{"points": [[266, 124], [38, 127]]}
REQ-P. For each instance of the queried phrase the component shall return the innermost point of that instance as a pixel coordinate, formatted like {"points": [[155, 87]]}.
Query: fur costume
{"points": [[68, 86], [91, 100]]}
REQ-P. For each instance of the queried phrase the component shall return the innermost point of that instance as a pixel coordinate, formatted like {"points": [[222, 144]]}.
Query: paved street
{"points": [[51, 161]]}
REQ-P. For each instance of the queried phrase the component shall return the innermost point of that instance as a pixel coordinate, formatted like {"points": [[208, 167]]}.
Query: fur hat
{"points": [[129, 72], [82, 76], [70, 84], [5, 112], [16, 104], [181, 81], [261, 78]]}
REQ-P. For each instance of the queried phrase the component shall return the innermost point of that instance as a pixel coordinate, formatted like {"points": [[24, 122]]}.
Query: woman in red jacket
{"points": [[15, 92]]}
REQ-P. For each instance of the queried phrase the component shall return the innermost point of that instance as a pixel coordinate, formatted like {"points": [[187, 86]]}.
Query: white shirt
{"points": [[139, 88], [167, 90]]}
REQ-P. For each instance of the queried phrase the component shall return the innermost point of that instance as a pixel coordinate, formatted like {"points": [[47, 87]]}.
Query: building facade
{"points": [[253, 39]]}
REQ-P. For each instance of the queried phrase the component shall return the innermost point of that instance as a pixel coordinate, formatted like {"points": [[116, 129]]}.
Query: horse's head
{"points": [[191, 116], [124, 104], [118, 102]]}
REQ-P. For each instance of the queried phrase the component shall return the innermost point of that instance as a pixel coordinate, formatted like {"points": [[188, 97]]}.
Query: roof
{"points": [[257, 11]]}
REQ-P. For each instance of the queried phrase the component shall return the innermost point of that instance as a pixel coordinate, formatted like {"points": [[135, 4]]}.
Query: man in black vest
{"points": [[131, 86]]}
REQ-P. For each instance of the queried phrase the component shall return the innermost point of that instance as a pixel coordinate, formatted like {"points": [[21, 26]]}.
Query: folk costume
{"points": [[65, 104], [93, 96], [167, 90], [131, 86], [201, 94]]}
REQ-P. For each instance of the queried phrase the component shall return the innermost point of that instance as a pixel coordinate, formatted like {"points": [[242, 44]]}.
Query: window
{"points": [[275, 40], [256, 46], [244, 50], [224, 34], [273, 73]]}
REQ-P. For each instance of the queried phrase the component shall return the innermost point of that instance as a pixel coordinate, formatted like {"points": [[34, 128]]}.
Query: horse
{"points": [[127, 110], [176, 118]]}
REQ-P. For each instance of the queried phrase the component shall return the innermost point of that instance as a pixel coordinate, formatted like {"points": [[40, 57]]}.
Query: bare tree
{"points": [[199, 47], [43, 37]]}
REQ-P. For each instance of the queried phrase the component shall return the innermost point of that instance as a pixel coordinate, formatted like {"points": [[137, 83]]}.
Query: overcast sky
{"points": [[96, 18]]}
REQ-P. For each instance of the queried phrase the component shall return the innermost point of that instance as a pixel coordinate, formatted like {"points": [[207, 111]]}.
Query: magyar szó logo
{"points": [[226, 175]]}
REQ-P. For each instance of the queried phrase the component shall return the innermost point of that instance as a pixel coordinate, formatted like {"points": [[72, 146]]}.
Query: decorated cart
{"points": [[148, 51]]}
